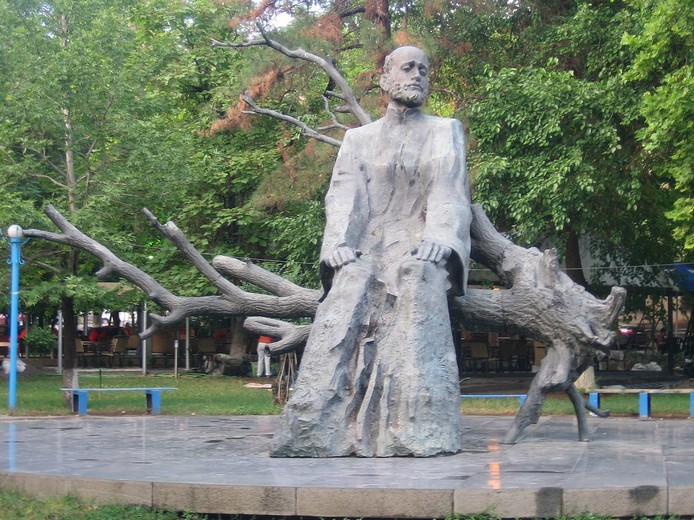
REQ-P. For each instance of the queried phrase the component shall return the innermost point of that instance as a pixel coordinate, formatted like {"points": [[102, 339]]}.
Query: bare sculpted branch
{"points": [[542, 302], [231, 302], [287, 336]]}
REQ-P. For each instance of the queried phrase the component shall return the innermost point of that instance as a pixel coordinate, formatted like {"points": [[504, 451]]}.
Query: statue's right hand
{"points": [[341, 256]]}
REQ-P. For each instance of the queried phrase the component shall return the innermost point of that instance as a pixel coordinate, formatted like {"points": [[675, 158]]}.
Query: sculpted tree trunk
{"points": [[540, 296]]}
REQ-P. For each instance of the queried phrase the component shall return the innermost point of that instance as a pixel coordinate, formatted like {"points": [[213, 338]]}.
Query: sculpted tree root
{"points": [[540, 302], [545, 304]]}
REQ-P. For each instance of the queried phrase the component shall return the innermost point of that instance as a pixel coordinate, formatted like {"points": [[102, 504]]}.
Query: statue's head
{"points": [[406, 76]]}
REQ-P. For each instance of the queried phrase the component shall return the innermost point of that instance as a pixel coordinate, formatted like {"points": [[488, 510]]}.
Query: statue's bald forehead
{"points": [[408, 51], [402, 54]]}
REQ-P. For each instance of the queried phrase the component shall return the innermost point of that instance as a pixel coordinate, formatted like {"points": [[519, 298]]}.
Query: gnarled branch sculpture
{"points": [[539, 296], [232, 301]]}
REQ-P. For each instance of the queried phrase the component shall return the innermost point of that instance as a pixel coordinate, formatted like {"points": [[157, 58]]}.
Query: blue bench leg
{"points": [[691, 405], [521, 399], [644, 405], [153, 401], [594, 399], [79, 402]]}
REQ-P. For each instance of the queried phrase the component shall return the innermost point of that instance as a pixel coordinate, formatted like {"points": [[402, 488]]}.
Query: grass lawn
{"points": [[194, 395], [19, 506], [198, 394], [662, 406]]}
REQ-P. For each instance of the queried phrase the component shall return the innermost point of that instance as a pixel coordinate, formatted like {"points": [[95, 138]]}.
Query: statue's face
{"points": [[407, 79]]}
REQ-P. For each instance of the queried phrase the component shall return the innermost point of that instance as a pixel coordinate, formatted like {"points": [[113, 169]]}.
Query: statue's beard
{"points": [[408, 95]]}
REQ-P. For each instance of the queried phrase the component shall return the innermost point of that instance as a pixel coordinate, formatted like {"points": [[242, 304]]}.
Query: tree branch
{"points": [[234, 302], [347, 94], [231, 45], [176, 236], [55, 270], [49, 178], [44, 158], [333, 118], [357, 9], [261, 278], [329, 69], [305, 129], [288, 337]]}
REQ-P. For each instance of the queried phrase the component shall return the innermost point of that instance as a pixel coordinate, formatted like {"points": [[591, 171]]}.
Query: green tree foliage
{"points": [[111, 106], [546, 152], [555, 128], [103, 104], [664, 46], [555, 151], [67, 79]]}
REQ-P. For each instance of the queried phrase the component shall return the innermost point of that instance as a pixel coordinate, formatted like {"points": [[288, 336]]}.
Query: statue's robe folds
{"points": [[378, 376]]}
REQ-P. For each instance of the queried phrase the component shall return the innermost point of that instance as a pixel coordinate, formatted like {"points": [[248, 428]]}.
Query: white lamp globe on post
{"points": [[15, 231]]}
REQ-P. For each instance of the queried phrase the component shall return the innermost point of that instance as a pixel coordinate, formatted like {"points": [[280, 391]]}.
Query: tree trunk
{"points": [[378, 11], [70, 374], [574, 266], [240, 339]]}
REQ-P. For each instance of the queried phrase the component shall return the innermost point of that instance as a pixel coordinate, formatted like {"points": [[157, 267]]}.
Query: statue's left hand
{"points": [[432, 252], [342, 255]]}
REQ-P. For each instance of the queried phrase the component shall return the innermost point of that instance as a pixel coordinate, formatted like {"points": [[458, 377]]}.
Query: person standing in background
{"points": [[264, 356]]}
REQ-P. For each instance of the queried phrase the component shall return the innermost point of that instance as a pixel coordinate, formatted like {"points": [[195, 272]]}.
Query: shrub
{"points": [[41, 341]]}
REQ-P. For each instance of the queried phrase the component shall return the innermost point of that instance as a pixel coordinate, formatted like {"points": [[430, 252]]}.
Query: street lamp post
{"points": [[15, 233]]}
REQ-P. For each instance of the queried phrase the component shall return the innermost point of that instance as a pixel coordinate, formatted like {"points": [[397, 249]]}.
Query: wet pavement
{"points": [[221, 465]]}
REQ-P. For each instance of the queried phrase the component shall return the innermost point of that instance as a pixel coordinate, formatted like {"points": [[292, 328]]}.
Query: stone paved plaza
{"points": [[221, 465]]}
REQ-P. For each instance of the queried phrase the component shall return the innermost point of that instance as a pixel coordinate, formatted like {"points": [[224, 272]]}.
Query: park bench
{"points": [[644, 397], [80, 397], [521, 397]]}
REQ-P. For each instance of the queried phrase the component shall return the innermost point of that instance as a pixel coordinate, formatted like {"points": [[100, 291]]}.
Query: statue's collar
{"points": [[397, 114]]}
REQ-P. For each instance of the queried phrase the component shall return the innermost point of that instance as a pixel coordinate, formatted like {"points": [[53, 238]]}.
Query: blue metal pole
{"points": [[15, 261]]}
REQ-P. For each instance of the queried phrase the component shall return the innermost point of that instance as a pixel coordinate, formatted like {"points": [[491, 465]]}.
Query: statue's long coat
{"points": [[396, 182], [379, 376]]}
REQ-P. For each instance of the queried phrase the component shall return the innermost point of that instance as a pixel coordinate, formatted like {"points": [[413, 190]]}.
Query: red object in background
{"points": [[264, 339], [98, 334]]}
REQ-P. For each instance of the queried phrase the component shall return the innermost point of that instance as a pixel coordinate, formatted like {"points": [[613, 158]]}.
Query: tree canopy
{"points": [[577, 114]]}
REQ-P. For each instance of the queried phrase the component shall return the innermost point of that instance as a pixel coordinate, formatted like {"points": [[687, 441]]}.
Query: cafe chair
{"points": [[83, 354]]}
